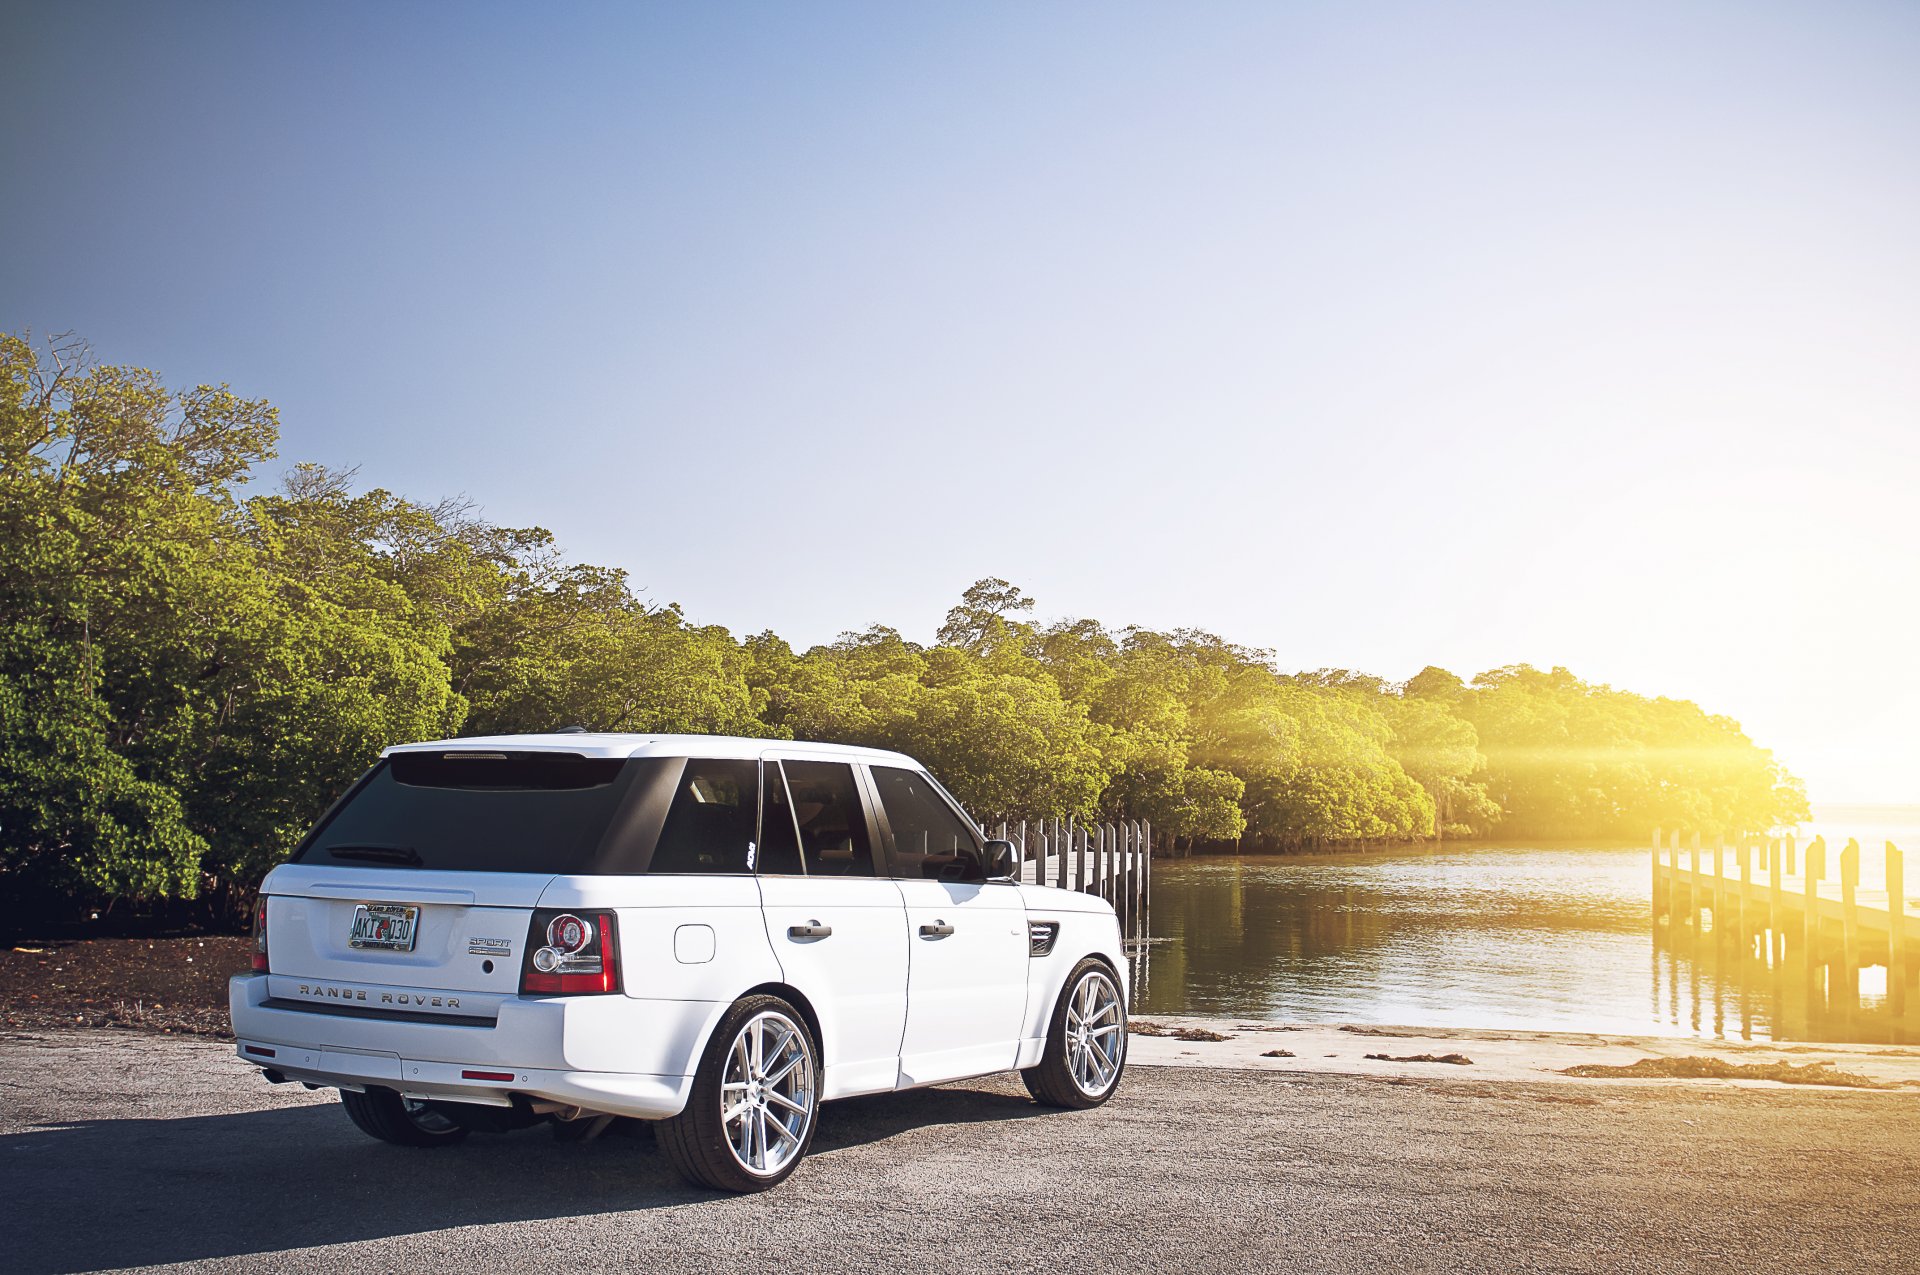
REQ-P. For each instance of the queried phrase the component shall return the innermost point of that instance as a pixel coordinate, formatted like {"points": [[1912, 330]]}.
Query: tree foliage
{"points": [[191, 669]]}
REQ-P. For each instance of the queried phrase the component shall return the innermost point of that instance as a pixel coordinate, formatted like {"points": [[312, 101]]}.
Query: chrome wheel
{"points": [[1096, 1034], [767, 1093]]}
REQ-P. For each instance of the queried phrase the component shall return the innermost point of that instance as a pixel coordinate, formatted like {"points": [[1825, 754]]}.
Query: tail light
{"points": [[570, 953], [260, 936]]}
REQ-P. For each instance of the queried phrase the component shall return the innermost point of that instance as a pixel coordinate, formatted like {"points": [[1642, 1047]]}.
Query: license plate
{"points": [[388, 926]]}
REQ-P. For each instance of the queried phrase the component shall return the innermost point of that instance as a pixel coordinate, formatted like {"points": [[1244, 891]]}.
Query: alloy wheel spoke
{"points": [[786, 1069], [760, 1120], [781, 1099]]}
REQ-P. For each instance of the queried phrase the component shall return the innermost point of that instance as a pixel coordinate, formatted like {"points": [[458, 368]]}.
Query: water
{"points": [[1488, 936]]}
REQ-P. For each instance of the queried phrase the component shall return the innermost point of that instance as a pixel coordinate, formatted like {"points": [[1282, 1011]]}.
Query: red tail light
{"points": [[260, 936], [570, 953]]}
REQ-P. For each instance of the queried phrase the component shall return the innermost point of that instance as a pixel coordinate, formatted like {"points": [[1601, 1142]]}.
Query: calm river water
{"points": [[1483, 936]]}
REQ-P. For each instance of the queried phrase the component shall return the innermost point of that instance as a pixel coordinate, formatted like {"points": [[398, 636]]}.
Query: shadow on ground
{"points": [[95, 1194]]}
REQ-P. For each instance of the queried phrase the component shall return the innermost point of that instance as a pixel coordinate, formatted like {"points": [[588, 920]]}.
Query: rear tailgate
{"points": [[468, 933]]}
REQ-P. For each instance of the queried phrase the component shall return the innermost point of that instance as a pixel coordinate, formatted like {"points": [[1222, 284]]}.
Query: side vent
{"points": [[1040, 937]]}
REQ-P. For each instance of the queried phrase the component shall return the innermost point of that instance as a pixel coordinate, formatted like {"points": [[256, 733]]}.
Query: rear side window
{"points": [[832, 821], [481, 812], [926, 831], [710, 825]]}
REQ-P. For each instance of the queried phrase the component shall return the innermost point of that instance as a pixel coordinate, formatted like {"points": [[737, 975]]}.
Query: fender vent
{"points": [[1040, 937]]}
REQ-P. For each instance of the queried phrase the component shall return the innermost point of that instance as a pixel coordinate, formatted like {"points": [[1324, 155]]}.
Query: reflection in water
{"points": [[1481, 937]]}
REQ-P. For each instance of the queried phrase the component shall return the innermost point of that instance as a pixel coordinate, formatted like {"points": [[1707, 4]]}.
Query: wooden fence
{"points": [[1112, 860]]}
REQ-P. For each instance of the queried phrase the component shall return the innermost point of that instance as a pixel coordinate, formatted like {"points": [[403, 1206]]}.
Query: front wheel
{"points": [[405, 1122], [755, 1099], [1086, 1042]]}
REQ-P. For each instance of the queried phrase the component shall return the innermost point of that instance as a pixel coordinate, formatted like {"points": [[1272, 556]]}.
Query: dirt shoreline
{"points": [[178, 986], [1494, 1054]]}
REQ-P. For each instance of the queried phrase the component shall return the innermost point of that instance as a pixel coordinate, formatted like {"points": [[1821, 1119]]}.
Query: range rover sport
{"points": [[715, 934]]}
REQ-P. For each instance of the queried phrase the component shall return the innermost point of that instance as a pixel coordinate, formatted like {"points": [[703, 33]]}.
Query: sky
{"points": [[1375, 335]]}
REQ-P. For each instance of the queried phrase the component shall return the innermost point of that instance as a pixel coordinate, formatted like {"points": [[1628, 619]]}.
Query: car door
{"points": [[967, 940], [836, 922]]}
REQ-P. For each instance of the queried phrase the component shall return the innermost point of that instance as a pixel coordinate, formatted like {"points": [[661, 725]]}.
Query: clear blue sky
{"points": [[1377, 335]]}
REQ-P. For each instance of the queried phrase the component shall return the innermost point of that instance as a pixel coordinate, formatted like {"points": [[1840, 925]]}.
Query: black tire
{"points": [[1052, 1080], [697, 1140], [384, 1114]]}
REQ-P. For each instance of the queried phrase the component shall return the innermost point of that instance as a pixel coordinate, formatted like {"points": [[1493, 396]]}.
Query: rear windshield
{"points": [[498, 812]]}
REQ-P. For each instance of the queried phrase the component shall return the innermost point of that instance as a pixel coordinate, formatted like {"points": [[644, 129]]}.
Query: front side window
{"points": [[710, 825], [927, 834]]}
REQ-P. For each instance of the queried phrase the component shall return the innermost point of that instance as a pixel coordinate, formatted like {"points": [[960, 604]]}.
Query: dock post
{"points": [[1776, 913], [1654, 881], [1103, 863], [1745, 853], [1816, 867], [1694, 880], [1146, 893], [1719, 880], [1145, 843], [1850, 917], [1673, 871], [1896, 914], [1792, 864]]}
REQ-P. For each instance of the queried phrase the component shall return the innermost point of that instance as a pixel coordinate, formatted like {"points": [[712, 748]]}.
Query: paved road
{"points": [[119, 1149]]}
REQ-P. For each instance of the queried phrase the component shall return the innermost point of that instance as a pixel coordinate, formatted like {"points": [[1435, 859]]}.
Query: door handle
{"points": [[938, 930], [811, 930]]}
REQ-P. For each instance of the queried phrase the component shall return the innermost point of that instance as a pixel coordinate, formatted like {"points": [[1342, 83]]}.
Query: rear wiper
{"points": [[377, 853]]}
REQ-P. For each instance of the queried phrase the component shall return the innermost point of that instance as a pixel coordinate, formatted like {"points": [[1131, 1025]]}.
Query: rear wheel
{"points": [[754, 1103], [1086, 1042], [405, 1122]]}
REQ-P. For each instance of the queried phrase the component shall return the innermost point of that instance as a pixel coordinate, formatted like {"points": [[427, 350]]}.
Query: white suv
{"points": [[717, 934]]}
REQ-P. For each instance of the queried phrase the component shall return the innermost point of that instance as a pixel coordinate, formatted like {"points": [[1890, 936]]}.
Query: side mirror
{"points": [[1002, 861]]}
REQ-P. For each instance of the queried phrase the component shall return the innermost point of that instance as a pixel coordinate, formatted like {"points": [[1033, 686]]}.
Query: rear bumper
{"points": [[616, 1054]]}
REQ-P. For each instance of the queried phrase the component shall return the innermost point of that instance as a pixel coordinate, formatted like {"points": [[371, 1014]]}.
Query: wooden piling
{"points": [[1810, 918], [1850, 917], [1776, 911], [1695, 881], [1673, 872], [1744, 853], [1146, 859], [1896, 914]]}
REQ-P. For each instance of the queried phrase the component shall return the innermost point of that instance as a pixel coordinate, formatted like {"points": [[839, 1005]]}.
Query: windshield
{"points": [[472, 811]]}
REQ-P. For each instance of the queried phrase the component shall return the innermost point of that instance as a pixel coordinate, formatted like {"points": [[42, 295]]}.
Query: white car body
{"points": [[893, 1005]]}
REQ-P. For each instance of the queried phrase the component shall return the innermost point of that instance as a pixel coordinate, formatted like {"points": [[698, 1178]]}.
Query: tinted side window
{"points": [[710, 825], [926, 832], [779, 845], [833, 823]]}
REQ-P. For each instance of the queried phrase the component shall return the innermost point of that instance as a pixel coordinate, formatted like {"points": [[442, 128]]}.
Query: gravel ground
{"points": [[121, 1149]]}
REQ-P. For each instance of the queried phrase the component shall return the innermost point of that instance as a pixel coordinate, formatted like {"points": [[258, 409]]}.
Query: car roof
{"points": [[610, 744]]}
